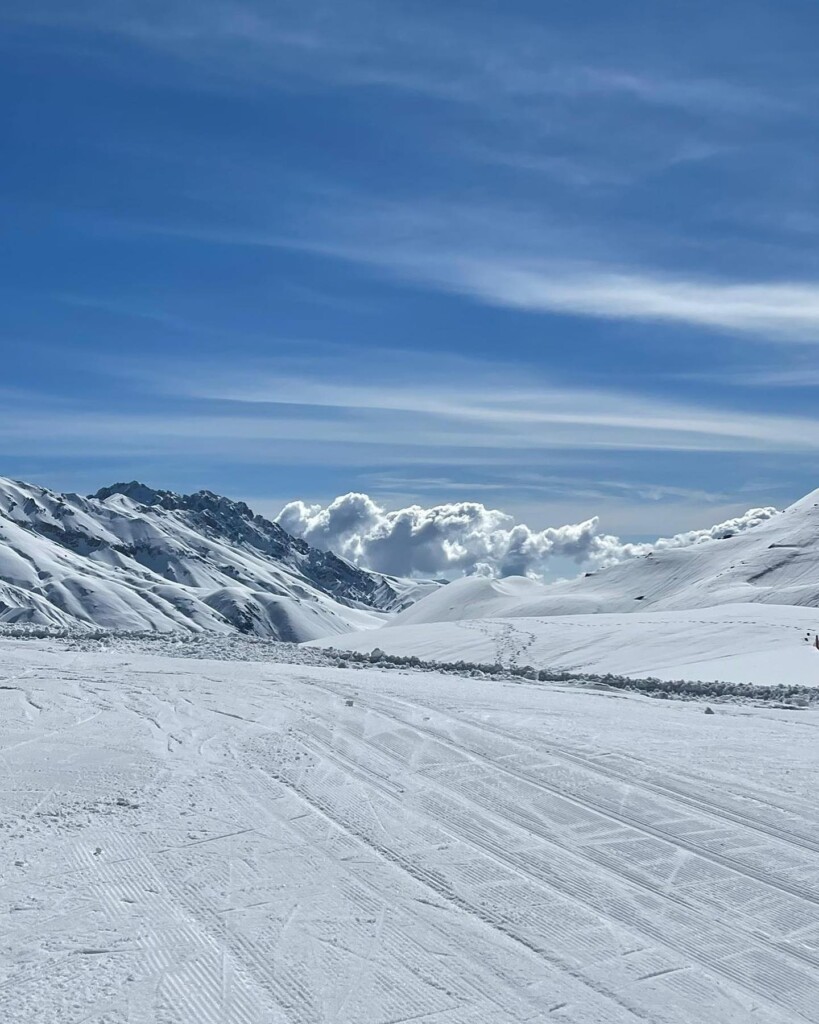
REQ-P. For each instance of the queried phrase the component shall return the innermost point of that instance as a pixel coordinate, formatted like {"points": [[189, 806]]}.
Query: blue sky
{"points": [[558, 258]]}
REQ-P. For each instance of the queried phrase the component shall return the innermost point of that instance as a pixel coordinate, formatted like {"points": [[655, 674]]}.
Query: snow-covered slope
{"points": [[478, 597], [690, 612], [767, 645], [201, 842], [135, 558], [776, 562]]}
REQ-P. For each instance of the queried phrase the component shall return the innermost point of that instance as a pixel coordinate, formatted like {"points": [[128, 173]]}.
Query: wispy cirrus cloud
{"points": [[466, 403], [321, 401], [769, 311], [433, 51], [791, 377], [503, 257], [693, 93], [773, 311]]}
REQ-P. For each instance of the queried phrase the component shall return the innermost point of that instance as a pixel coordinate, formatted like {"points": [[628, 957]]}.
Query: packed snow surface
{"points": [[760, 644], [248, 843]]}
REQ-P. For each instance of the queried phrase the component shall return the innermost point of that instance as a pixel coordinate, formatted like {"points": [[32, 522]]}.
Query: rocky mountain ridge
{"points": [[133, 557]]}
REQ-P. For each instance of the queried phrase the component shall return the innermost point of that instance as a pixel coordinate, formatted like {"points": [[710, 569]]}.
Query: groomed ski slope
{"points": [[766, 645], [204, 841]]}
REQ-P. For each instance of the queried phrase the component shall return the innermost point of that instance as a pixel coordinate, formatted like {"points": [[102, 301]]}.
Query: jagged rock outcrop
{"points": [[133, 557]]}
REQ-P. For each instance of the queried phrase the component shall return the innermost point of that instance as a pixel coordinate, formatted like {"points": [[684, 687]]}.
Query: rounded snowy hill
{"points": [[776, 562]]}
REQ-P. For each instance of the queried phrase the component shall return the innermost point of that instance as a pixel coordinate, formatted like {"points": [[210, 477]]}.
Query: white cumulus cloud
{"points": [[469, 538]]}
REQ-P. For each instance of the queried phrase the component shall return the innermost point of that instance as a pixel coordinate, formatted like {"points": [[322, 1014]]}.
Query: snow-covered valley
{"points": [[227, 841], [204, 825], [739, 606], [741, 609]]}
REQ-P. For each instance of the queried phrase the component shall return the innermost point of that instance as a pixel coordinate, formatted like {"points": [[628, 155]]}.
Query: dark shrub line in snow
{"points": [[655, 687]]}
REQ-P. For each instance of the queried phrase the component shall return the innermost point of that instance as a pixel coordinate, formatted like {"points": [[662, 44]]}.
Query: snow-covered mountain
{"points": [[131, 557], [776, 562]]}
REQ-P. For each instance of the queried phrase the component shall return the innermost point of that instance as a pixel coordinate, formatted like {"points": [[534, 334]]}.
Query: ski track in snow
{"points": [[206, 842]]}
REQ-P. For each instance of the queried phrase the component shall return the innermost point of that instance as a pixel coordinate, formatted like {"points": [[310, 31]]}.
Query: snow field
{"points": [[236, 842], [759, 644]]}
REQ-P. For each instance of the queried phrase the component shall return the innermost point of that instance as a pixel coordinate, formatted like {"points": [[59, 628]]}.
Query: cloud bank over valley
{"points": [[467, 537]]}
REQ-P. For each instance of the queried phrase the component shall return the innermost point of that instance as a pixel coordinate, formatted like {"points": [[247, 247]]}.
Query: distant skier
{"points": [[816, 642]]}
